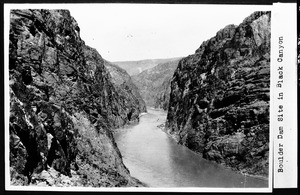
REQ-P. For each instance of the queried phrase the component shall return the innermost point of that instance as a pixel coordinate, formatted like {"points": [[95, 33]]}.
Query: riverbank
{"points": [[155, 158], [176, 139]]}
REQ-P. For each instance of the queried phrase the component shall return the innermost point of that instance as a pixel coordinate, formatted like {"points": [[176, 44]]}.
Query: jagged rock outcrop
{"points": [[219, 102], [154, 84], [127, 89], [63, 104]]}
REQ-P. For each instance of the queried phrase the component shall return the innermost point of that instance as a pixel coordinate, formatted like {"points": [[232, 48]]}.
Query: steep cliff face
{"points": [[119, 105], [154, 84], [219, 102], [62, 105], [127, 89]]}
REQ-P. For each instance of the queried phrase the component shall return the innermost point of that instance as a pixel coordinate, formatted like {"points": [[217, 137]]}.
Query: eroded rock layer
{"points": [[63, 105], [219, 102]]}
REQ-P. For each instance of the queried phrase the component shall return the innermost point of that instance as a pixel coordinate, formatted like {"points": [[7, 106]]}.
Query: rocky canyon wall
{"points": [[219, 102], [63, 105]]}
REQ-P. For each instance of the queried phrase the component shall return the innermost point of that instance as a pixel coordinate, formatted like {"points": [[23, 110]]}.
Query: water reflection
{"points": [[156, 159]]}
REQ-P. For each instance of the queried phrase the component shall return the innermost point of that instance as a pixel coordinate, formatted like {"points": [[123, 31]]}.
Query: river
{"points": [[156, 159]]}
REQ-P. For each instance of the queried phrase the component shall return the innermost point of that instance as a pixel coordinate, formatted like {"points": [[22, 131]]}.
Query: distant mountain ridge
{"points": [[136, 67]]}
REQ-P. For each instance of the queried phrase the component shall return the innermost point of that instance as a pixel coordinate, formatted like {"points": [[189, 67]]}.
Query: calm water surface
{"points": [[157, 160]]}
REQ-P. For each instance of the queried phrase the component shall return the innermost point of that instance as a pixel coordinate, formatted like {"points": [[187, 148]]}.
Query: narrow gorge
{"points": [[77, 119]]}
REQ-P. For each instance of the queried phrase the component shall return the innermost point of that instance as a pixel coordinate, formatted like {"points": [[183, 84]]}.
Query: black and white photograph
{"points": [[130, 97]]}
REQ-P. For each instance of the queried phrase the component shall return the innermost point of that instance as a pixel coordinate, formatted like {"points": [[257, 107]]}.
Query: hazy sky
{"points": [[145, 31]]}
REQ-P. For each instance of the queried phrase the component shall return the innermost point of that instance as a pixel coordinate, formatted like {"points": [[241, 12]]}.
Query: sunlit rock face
{"points": [[219, 102], [63, 105]]}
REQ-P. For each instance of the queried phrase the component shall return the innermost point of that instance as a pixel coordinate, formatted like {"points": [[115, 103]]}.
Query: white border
{"points": [[286, 22], [7, 7]]}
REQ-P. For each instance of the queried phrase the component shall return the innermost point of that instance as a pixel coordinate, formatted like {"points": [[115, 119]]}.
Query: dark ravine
{"points": [[155, 84], [219, 101], [63, 105]]}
